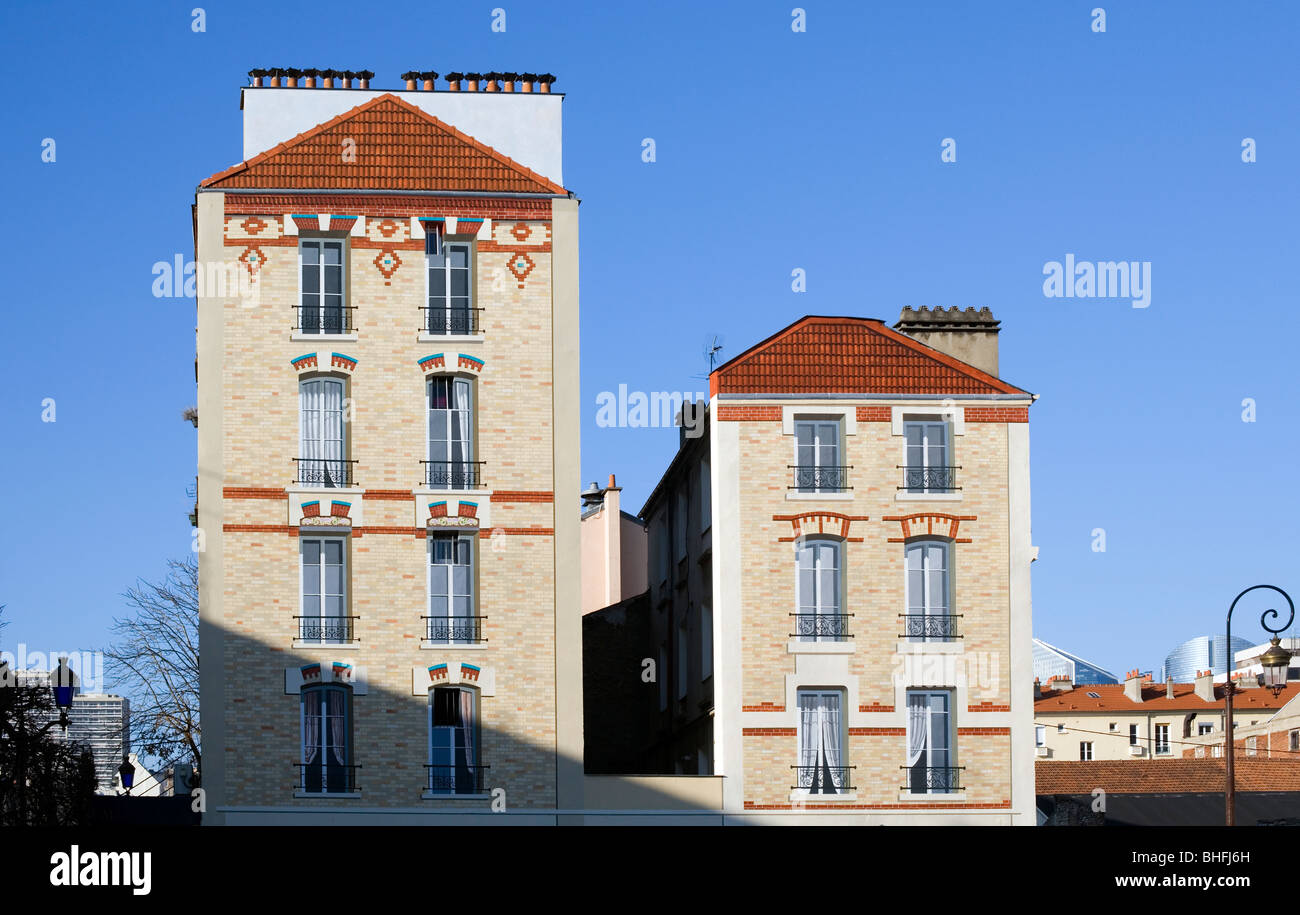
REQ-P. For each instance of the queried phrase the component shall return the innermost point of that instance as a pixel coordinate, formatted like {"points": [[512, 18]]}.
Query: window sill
{"points": [[795, 646], [451, 338], [324, 338], [426, 645], [927, 497], [327, 794], [796, 496], [332, 646], [442, 796]]}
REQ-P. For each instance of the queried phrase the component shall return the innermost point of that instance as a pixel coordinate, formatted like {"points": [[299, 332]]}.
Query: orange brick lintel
{"points": [[996, 414], [735, 413], [252, 492], [988, 707], [522, 495], [763, 707], [770, 732], [919, 805], [875, 708], [877, 732]]}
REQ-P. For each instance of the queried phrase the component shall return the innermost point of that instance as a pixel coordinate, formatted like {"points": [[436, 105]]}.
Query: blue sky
{"points": [[774, 150]]}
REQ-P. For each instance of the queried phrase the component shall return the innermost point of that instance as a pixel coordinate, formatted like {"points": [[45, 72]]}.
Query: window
{"points": [[1132, 735], [927, 468], [819, 617], [706, 642], [321, 310], [929, 590], [326, 740], [661, 674], [706, 497], [451, 590], [1252, 744], [683, 657], [323, 447], [1162, 738], [817, 457], [681, 507], [1085, 750], [324, 598], [451, 462], [1040, 735], [450, 309], [821, 768], [1113, 725], [1204, 728], [1294, 744], [1060, 728], [454, 741], [930, 754]]}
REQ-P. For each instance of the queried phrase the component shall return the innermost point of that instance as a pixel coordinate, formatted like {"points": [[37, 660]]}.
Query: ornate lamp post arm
{"points": [[1230, 797]]}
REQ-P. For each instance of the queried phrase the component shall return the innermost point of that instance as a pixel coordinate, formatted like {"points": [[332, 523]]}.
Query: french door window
{"points": [[929, 615], [326, 740], [821, 768], [930, 758], [817, 457], [321, 431], [324, 590], [453, 742], [820, 617], [321, 308], [451, 590], [450, 302], [1162, 738], [451, 434], [928, 466]]}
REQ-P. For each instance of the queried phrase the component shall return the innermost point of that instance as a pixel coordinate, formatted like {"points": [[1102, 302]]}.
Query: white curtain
{"points": [[918, 717], [321, 402], [311, 727], [338, 726], [830, 732]]}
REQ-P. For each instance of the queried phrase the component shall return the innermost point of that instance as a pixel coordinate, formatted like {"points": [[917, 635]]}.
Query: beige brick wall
{"points": [[388, 570]]}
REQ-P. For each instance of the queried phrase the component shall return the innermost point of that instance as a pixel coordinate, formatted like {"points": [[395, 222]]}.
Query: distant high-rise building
{"points": [[1050, 661], [97, 721], [1204, 652]]}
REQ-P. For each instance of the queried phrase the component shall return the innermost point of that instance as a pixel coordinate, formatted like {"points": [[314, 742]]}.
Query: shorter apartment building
{"points": [[1140, 718], [1276, 736]]}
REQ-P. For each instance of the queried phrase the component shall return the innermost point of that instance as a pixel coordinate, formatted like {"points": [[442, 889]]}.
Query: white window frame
{"points": [[820, 608], [1162, 744], [344, 600], [322, 241], [470, 439], [1085, 751], [447, 271], [446, 569]]}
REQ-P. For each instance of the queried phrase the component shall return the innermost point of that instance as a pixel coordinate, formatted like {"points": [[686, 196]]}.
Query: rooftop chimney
{"points": [[1169, 688], [1205, 685], [592, 496], [969, 335], [1133, 686]]}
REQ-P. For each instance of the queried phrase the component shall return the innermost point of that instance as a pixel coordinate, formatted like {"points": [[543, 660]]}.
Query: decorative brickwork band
{"points": [[253, 225], [929, 524], [469, 672], [468, 510], [468, 225], [340, 361], [522, 495], [468, 362], [339, 509], [520, 265], [342, 672], [387, 261], [253, 260], [437, 509], [988, 707], [311, 509], [874, 414], [342, 223], [875, 707], [763, 707], [810, 524], [438, 672], [436, 361], [388, 228], [997, 414], [769, 732], [310, 673], [736, 414], [306, 223], [305, 361], [520, 231]]}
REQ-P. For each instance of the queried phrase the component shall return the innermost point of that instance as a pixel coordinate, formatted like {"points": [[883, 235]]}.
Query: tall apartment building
{"points": [[389, 415], [870, 559], [100, 722]]}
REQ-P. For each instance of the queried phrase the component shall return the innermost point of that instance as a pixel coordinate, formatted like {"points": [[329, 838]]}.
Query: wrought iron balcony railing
{"points": [[823, 779], [455, 630], [330, 473], [930, 479], [930, 627], [455, 778], [820, 478], [453, 474], [318, 319], [326, 778], [445, 321], [828, 627], [924, 779], [330, 630]]}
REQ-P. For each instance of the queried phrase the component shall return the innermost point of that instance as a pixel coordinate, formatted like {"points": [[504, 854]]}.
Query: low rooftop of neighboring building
{"points": [[1164, 776], [1106, 697]]}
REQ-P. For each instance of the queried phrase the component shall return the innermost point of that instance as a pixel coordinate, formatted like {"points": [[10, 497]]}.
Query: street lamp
{"points": [[1276, 662], [127, 773], [62, 680]]}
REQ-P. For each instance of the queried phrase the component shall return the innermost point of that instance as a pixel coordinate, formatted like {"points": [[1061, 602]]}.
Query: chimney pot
{"points": [[611, 481], [968, 335]]}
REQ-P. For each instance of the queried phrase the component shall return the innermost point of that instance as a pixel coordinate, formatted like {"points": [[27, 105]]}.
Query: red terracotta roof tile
{"points": [[1111, 698], [841, 355], [397, 147], [1164, 776]]}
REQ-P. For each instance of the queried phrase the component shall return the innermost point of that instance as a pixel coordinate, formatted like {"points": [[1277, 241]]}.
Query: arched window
{"points": [[454, 766], [929, 616], [821, 769], [323, 452], [451, 462], [819, 616], [326, 766]]}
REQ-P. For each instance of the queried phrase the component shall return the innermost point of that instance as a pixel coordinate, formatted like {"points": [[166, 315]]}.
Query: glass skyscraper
{"points": [[1204, 652]]}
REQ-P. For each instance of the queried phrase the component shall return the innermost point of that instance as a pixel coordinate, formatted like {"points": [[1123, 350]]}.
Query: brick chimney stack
{"points": [[1205, 685], [968, 335]]}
